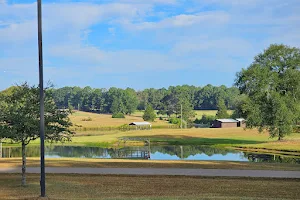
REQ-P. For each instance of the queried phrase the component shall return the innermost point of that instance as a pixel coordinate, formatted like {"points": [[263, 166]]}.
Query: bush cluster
{"points": [[87, 119], [118, 115]]}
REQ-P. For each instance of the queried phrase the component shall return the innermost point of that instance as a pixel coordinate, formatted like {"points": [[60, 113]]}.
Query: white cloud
{"points": [[77, 53], [226, 46], [18, 32], [20, 19], [183, 20]]}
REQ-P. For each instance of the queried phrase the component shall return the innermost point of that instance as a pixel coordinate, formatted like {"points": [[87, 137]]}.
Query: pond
{"points": [[153, 153]]}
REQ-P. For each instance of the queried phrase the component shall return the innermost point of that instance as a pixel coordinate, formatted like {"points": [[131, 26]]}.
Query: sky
{"points": [[141, 43]]}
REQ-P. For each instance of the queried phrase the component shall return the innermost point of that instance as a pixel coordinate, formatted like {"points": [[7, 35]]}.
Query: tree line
{"points": [[166, 100]]}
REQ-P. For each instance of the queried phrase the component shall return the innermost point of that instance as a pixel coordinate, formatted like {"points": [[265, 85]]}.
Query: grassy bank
{"points": [[230, 137], [125, 163], [148, 187]]}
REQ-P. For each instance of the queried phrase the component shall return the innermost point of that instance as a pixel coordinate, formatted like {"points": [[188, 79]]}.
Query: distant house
{"points": [[225, 123], [241, 122], [141, 125]]}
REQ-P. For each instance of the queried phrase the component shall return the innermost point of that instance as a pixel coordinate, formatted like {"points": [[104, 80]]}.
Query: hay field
{"points": [[106, 120]]}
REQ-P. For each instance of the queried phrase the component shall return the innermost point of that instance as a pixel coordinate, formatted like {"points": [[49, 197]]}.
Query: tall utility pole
{"points": [[181, 115], [42, 117]]}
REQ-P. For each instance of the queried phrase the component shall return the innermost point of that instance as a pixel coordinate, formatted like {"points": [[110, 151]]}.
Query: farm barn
{"points": [[241, 122], [225, 123]]}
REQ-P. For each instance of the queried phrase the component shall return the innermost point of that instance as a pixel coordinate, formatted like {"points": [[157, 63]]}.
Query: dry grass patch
{"points": [[148, 187], [104, 120]]}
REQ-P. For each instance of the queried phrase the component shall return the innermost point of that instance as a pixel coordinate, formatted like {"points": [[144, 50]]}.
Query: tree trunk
{"points": [[0, 149], [23, 164]]}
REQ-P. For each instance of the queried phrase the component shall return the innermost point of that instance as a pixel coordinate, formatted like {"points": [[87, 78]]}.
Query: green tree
{"points": [[222, 110], [130, 100], [272, 86], [20, 117], [149, 114]]}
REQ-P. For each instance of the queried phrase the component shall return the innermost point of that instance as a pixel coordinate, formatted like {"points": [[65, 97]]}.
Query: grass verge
{"points": [[125, 163]]}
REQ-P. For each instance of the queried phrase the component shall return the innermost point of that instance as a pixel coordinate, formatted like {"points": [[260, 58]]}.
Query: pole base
{"points": [[43, 198]]}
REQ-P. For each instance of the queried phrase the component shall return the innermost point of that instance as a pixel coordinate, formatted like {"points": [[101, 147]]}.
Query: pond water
{"points": [[153, 153]]}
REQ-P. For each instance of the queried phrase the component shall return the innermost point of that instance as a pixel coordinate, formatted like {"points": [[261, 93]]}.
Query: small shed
{"points": [[141, 125], [241, 122], [225, 123]]}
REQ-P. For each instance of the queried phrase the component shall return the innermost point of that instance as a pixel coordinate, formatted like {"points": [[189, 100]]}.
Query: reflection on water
{"points": [[153, 153]]}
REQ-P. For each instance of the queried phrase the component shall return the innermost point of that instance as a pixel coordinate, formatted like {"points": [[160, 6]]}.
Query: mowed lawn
{"points": [[237, 137], [132, 163], [105, 120], [63, 186]]}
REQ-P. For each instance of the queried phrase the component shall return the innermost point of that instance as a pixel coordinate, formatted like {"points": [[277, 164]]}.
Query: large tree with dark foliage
{"points": [[20, 117], [272, 88]]}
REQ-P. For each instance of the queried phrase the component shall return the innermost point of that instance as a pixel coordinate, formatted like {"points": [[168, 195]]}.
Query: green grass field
{"points": [[230, 137]]}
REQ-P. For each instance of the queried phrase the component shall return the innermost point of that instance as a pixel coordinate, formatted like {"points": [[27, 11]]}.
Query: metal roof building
{"points": [[140, 124], [241, 122], [225, 123], [227, 120]]}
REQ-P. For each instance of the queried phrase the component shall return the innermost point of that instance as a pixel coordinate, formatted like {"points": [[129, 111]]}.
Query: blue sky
{"points": [[141, 43]]}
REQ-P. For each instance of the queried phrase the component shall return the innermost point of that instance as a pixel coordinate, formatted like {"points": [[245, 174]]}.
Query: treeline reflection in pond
{"points": [[155, 153]]}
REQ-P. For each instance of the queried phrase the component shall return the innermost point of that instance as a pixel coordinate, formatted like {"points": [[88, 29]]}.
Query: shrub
{"points": [[174, 120], [161, 118], [118, 115], [87, 119], [124, 127], [206, 119]]}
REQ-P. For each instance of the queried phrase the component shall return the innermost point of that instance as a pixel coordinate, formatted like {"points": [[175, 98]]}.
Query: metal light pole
{"points": [[181, 115], [41, 80]]}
